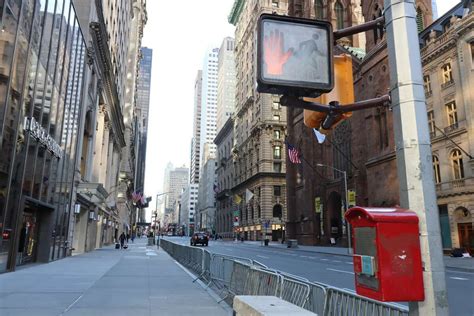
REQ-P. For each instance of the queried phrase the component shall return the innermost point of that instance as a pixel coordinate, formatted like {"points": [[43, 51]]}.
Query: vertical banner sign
{"points": [[317, 204], [352, 198]]}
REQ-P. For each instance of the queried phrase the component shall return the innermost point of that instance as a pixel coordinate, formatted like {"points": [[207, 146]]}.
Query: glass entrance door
{"points": [[28, 238]]}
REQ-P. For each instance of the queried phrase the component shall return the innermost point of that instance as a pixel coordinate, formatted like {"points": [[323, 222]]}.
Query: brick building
{"points": [[369, 158]]}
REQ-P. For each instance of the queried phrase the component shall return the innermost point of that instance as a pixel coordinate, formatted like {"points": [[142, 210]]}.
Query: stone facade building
{"points": [[316, 191], [448, 62], [259, 132], [225, 82], [205, 216], [225, 180]]}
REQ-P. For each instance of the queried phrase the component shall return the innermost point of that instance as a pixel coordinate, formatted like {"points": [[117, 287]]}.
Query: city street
{"points": [[335, 270]]}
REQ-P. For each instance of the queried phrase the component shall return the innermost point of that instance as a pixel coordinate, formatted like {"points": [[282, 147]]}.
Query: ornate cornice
{"points": [[236, 11], [99, 36]]}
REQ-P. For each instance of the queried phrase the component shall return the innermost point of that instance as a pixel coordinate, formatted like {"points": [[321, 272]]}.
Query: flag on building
{"points": [[293, 154], [319, 136], [248, 195], [237, 199], [136, 196]]}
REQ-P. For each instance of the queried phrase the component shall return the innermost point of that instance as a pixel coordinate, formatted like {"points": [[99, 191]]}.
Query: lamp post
{"points": [[156, 210], [346, 199]]}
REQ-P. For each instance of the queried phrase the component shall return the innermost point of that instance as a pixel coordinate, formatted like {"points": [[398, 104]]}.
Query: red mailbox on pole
{"points": [[387, 257]]}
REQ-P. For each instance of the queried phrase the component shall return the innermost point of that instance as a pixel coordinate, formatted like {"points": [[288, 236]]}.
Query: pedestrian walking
{"points": [[128, 237], [122, 239], [133, 237]]}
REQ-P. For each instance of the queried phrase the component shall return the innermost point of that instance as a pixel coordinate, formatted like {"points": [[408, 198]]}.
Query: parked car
{"points": [[199, 238]]}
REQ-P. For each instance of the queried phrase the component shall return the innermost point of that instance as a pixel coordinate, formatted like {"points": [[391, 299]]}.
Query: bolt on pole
{"points": [[413, 146]]}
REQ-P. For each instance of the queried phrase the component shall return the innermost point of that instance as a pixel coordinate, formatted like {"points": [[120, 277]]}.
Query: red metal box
{"points": [[387, 257]]}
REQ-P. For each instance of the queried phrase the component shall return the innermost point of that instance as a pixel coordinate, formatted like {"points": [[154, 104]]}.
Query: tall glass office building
{"points": [[41, 87]]}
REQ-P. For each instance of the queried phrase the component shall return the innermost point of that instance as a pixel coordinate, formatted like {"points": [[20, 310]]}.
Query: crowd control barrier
{"points": [[231, 276]]}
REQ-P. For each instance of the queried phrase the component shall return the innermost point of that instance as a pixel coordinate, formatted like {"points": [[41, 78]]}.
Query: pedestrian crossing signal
{"points": [[294, 56]]}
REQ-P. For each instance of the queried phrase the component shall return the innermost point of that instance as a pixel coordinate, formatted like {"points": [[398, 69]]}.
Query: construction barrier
{"points": [[232, 276]]}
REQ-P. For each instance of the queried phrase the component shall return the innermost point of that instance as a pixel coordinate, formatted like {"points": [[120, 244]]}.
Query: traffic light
{"points": [[343, 92], [294, 56]]}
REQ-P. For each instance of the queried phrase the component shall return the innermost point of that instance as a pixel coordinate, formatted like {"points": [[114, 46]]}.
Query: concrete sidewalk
{"points": [[462, 264], [136, 281]]}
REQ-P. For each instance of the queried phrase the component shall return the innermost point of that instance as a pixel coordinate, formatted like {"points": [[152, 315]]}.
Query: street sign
{"points": [[266, 224], [294, 56]]}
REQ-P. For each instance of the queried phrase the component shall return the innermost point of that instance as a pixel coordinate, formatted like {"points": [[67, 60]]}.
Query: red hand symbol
{"points": [[274, 57]]}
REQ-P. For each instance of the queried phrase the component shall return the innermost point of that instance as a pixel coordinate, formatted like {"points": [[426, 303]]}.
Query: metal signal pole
{"points": [[413, 145]]}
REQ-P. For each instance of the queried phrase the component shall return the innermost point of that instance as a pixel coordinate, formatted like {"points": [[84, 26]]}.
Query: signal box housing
{"points": [[387, 256]]}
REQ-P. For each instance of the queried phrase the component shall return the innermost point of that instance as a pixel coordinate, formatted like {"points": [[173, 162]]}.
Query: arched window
{"points": [[419, 20], [437, 173], [319, 9], [456, 164], [277, 211], [339, 10]]}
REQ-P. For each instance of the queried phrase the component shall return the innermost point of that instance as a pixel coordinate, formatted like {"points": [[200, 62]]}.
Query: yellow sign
{"points": [[317, 205], [352, 198]]}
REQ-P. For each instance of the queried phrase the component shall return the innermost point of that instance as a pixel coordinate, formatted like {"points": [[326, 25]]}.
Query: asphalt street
{"points": [[334, 270]]}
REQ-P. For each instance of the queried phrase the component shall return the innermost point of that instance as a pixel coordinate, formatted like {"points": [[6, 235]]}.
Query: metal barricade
{"points": [[317, 299], [346, 303], [262, 282], [238, 280], [294, 291], [242, 276]]}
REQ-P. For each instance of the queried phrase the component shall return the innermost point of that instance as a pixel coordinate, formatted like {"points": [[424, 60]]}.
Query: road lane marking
{"points": [[324, 259], [458, 278], [348, 262], [336, 261], [348, 272], [263, 257]]}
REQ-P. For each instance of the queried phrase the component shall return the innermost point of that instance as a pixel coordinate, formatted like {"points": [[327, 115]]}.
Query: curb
{"points": [[468, 270]]}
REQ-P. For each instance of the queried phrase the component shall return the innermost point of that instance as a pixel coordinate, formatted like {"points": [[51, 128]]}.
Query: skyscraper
{"points": [[209, 105], [142, 107], [226, 81], [178, 180], [196, 140]]}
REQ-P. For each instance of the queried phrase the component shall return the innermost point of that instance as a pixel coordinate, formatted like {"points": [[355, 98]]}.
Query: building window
{"points": [[456, 164], [427, 85], [451, 113], [276, 117], [319, 9], [339, 10], [431, 122], [275, 3], [277, 211], [276, 134], [419, 20], [277, 152], [437, 172], [472, 52], [275, 105], [277, 190], [277, 167], [447, 74]]}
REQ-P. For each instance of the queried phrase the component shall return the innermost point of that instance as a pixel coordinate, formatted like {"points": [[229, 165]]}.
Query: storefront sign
{"points": [[41, 135]]}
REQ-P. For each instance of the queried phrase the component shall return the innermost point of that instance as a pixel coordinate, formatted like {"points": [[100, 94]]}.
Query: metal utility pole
{"points": [[412, 139]]}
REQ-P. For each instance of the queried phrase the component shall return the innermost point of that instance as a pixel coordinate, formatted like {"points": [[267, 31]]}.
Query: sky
{"points": [[180, 32]]}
